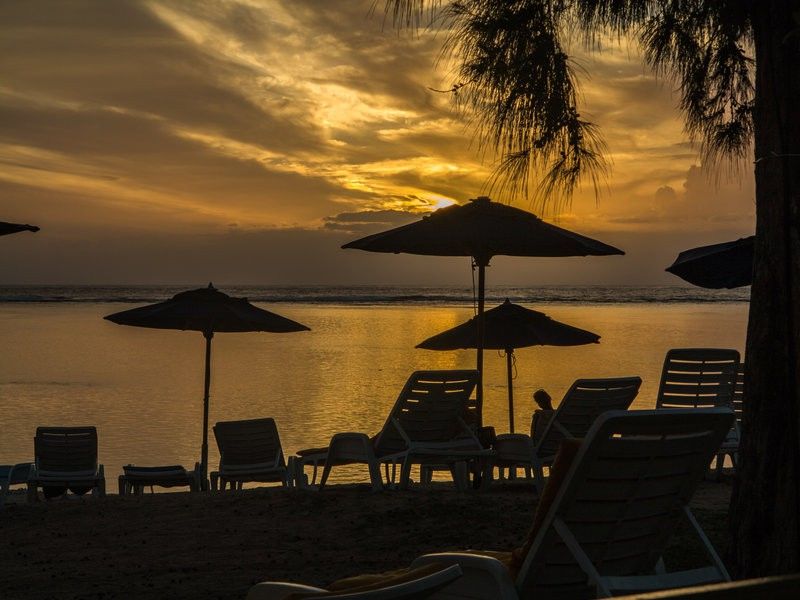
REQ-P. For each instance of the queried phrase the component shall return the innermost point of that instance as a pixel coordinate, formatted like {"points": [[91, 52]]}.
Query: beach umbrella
{"points": [[8, 228], [209, 311], [726, 265], [507, 327], [482, 229]]}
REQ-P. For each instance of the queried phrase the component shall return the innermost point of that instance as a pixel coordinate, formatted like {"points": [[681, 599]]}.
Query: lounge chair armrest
{"points": [[561, 429], [484, 577], [401, 431], [275, 590], [469, 431]]}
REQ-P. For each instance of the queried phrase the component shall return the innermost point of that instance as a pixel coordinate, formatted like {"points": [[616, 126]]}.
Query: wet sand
{"points": [[182, 545]]}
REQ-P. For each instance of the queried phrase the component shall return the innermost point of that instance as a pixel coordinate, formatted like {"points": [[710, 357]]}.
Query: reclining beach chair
{"points": [[583, 403], [12, 475], [425, 426], [134, 479], [66, 457], [249, 450], [702, 377], [608, 513], [698, 378], [415, 584]]}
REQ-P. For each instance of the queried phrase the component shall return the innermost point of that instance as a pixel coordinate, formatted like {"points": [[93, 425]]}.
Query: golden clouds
{"points": [[185, 116]]}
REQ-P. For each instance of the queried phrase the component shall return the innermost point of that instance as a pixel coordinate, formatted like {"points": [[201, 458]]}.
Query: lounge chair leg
{"points": [[425, 474], [459, 472], [288, 480], [325, 472], [405, 474], [375, 477], [386, 472], [299, 474]]}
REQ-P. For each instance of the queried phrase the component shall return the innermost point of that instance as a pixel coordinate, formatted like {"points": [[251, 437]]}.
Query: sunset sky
{"points": [[243, 141]]}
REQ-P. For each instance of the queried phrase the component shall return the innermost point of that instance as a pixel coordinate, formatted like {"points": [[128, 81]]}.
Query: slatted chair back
{"points": [[430, 408], [698, 377], [622, 498], [585, 400], [66, 450], [738, 394], [248, 443]]}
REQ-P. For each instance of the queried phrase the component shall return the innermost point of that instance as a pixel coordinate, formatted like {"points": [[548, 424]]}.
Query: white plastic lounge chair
{"points": [[420, 583], [697, 378], [425, 426], [134, 479], [583, 403], [12, 475], [701, 377], [611, 518], [249, 450], [66, 457]]}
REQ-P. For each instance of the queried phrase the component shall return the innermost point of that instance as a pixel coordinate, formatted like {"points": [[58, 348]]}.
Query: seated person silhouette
{"points": [[542, 415]]}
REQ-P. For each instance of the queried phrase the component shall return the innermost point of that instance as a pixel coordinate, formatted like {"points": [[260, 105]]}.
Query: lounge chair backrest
{"points": [[698, 377], [430, 408], [248, 442], [622, 497], [66, 449], [586, 400], [738, 394]]}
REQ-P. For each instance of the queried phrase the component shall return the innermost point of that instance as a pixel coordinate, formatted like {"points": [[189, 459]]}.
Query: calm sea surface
{"points": [[62, 364]]}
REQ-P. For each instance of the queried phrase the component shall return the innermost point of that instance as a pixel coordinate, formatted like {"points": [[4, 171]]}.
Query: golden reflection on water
{"points": [[63, 365]]}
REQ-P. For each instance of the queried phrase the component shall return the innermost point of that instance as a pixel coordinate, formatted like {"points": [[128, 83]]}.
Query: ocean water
{"points": [[62, 364]]}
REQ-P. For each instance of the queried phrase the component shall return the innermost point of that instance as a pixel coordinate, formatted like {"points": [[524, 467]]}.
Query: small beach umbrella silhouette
{"points": [[482, 229], [507, 327], [9, 228], [209, 311], [727, 265]]}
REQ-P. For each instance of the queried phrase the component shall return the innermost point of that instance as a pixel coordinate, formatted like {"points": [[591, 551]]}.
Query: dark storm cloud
{"points": [[369, 221]]}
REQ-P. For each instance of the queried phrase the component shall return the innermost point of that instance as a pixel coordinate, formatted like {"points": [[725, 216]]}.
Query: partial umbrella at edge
{"points": [[482, 229], [509, 326], [9, 228], [727, 265], [209, 311]]}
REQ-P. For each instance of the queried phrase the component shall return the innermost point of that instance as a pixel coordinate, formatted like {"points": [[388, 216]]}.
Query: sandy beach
{"points": [[182, 545]]}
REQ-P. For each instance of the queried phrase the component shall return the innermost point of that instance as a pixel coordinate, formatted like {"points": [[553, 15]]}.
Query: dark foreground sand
{"points": [[216, 546]]}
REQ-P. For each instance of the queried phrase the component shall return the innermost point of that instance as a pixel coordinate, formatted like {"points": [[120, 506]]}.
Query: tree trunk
{"points": [[765, 509]]}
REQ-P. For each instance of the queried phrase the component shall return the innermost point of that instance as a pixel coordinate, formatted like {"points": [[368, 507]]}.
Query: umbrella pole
{"points": [[204, 449], [481, 331], [509, 366]]}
